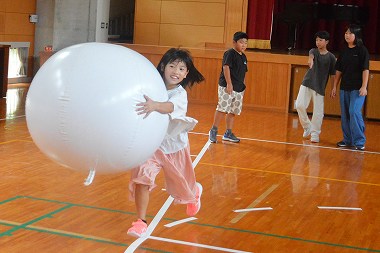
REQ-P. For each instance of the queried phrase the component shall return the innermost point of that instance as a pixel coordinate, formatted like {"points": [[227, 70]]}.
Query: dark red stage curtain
{"points": [[372, 29], [259, 23], [336, 28]]}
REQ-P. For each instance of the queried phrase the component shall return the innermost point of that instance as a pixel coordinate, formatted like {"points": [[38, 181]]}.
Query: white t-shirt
{"points": [[176, 137]]}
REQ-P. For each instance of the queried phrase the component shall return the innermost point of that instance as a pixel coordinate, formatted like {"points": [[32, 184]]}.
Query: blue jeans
{"points": [[353, 127]]}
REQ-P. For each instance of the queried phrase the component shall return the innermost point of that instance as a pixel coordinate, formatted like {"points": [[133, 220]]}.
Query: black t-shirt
{"points": [[238, 67], [352, 62]]}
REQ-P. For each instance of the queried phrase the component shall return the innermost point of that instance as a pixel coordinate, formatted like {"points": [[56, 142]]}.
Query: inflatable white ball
{"points": [[80, 108]]}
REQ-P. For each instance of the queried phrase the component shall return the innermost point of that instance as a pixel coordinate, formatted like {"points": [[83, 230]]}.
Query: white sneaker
{"points": [[314, 138], [306, 132]]}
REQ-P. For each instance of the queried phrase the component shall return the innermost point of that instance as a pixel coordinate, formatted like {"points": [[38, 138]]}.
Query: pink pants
{"points": [[179, 175]]}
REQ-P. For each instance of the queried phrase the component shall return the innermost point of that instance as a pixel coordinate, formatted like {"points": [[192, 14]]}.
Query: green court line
{"points": [[204, 225], [83, 238], [24, 225], [9, 200], [79, 205], [286, 237]]}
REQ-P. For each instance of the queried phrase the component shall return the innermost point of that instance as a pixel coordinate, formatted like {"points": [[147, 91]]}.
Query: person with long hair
{"points": [[352, 68], [173, 156]]}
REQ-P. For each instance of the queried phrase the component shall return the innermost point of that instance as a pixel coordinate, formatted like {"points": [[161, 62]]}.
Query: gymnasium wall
{"points": [[15, 25], [188, 23], [272, 79]]}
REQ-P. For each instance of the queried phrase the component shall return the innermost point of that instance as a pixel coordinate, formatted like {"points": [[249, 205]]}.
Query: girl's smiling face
{"points": [[174, 73]]}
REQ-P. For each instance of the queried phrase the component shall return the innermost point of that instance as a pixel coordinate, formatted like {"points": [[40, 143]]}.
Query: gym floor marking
{"points": [[340, 208], [163, 209], [28, 226], [290, 174], [197, 245], [172, 224], [53, 231], [298, 144], [253, 209], [11, 141], [267, 171], [121, 244], [255, 202]]}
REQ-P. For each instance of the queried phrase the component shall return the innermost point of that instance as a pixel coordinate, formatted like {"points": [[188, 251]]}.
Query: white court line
{"points": [[178, 222], [255, 203], [151, 227], [197, 245], [163, 209], [299, 144], [252, 209], [340, 208]]}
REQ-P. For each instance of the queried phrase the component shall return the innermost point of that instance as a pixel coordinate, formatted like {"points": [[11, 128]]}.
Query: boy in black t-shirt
{"points": [[231, 87]]}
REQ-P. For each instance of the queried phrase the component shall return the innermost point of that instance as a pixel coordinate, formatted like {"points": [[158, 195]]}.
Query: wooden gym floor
{"points": [[296, 196]]}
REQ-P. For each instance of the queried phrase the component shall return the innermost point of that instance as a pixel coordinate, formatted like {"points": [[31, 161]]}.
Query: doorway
{"points": [[121, 21]]}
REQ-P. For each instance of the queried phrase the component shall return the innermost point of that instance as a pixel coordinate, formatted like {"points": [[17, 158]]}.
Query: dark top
{"points": [[323, 65], [238, 67], [352, 62]]}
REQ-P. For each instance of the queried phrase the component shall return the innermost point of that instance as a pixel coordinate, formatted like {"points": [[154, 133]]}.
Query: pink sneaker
{"points": [[138, 229], [193, 208]]}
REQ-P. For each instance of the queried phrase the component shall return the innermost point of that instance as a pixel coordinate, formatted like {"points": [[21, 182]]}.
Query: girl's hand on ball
{"points": [[146, 107]]}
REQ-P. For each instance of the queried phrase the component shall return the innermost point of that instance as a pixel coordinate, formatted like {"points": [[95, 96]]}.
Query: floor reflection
{"points": [[307, 163], [351, 167], [306, 179], [224, 181], [13, 105]]}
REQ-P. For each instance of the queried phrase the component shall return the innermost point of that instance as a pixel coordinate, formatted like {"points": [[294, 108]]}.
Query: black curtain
{"points": [[282, 29]]}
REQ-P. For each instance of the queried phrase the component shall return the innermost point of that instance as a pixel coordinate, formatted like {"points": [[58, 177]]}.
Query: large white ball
{"points": [[80, 108]]}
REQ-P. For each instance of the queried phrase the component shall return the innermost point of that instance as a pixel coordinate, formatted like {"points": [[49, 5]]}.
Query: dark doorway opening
{"points": [[121, 23]]}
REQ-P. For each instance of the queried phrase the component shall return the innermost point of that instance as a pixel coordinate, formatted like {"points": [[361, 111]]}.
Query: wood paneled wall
{"points": [[235, 18], [372, 108], [272, 80], [268, 77], [188, 23], [15, 25]]}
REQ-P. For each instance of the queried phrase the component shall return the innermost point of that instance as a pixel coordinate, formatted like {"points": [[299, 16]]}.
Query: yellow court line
{"points": [[255, 203], [7, 142], [291, 174], [57, 231]]}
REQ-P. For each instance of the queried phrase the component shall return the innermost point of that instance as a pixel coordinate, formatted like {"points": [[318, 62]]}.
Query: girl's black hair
{"points": [[183, 55], [355, 29]]}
